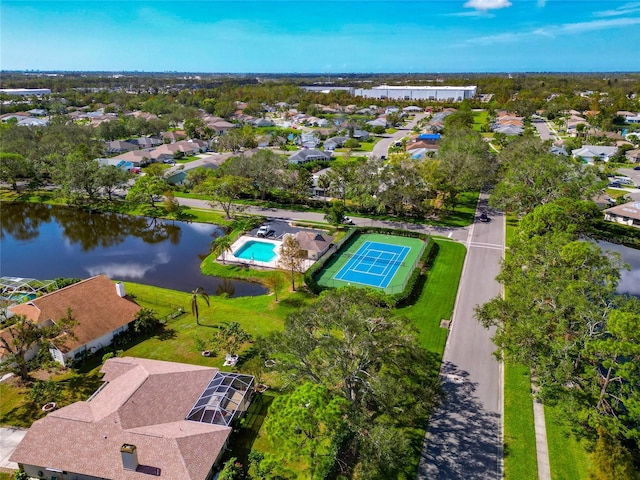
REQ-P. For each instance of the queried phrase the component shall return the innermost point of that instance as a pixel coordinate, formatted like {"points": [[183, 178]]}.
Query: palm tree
{"points": [[221, 246], [198, 292]]}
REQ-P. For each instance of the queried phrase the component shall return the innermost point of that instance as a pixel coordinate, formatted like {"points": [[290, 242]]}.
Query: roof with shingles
{"points": [[94, 304], [144, 403]]}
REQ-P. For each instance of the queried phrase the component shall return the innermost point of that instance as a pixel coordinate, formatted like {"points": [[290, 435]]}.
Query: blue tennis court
{"points": [[374, 264]]}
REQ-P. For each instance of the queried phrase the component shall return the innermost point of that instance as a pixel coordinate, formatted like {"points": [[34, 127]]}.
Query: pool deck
{"points": [[238, 244]]}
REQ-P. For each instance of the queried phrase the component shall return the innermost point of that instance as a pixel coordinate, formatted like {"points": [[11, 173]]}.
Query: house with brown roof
{"points": [[313, 244], [150, 418], [98, 305]]}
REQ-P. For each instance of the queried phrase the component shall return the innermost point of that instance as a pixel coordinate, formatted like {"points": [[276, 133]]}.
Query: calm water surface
{"points": [[45, 242], [629, 279]]}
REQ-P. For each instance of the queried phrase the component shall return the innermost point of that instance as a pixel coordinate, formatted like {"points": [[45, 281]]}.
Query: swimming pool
{"points": [[255, 250]]}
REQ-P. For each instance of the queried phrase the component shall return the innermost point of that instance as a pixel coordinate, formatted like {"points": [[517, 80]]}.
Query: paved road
{"points": [[455, 233], [464, 438], [382, 147], [545, 132]]}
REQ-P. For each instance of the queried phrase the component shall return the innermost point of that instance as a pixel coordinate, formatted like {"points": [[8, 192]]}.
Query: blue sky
{"points": [[327, 36]]}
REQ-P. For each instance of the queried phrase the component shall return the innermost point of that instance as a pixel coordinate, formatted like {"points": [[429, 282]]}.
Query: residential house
{"points": [[307, 155], [633, 155], [99, 307], [411, 109], [263, 122], [149, 419], [508, 129], [37, 112], [378, 122], [559, 150], [148, 142], [626, 214], [335, 142], [316, 188], [119, 146], [360, 135], [308, 140], [138, 158], [591, 153], [33, 122], [313, 244]]}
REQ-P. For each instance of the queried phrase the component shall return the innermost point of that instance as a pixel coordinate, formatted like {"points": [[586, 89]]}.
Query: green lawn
{"points": [[16, 409], [479, 119], [438, 295], [520, 459], [568, 456]]}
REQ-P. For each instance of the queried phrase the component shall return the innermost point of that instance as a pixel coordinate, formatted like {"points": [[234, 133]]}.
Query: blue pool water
{"points": [[254, 250]]}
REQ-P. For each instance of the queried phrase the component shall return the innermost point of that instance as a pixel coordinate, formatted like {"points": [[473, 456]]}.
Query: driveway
{"points": [[9, 440]]}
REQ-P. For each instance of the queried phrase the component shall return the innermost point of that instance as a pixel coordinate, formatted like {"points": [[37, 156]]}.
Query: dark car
{"points": [[615, 185], [484, 217], [637, 168]]}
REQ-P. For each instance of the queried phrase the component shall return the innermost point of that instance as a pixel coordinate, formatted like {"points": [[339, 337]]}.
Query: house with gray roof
{"points": [[591, 153], [307, 155], [335, 142], [120, 146]]}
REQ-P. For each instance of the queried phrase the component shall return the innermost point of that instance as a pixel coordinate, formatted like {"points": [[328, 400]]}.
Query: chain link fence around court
{"points": [[333, 267]]}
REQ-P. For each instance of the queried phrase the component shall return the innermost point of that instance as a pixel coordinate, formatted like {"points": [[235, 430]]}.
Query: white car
{"points": [[263, 231]]}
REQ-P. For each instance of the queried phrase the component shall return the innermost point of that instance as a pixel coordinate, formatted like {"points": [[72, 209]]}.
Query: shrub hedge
{"points": [[395, 299]]}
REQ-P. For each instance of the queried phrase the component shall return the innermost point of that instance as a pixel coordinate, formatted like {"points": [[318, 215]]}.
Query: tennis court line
{"points": [[361, 256]]}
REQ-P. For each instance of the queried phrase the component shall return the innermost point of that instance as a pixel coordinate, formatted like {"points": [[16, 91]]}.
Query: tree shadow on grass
{"points": [[166, 334], [464, 438]]}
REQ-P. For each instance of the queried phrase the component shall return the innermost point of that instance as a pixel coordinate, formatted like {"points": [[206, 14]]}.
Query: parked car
{"points": [[637, 168], [263, 231], [615, 185], [484, 217], [348, 221]]}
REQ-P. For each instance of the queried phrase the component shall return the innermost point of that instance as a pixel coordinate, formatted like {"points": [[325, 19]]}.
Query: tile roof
{"points": [[144, 403], [94, 303]]}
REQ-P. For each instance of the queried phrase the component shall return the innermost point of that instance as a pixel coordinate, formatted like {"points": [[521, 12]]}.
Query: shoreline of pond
{"points": [[130, 248]]}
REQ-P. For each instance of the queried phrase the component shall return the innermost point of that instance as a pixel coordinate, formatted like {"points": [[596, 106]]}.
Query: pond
{"points": [[46, 242], [629, 279]]}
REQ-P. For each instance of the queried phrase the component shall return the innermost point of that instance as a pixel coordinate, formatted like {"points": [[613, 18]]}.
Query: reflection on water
{"points": [[629, 279], [46, 242]]}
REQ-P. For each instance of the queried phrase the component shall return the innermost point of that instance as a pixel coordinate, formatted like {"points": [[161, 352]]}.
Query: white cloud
{"points": [[557, 30], [487, 4], [626, 9], [541, 3]]}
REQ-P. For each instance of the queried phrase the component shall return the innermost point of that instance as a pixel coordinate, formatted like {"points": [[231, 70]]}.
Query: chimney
{"points": [[129, 457], [120, 289]]}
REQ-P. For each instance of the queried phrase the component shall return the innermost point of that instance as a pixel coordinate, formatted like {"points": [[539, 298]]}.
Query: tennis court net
{"points": [[361, 258]]}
